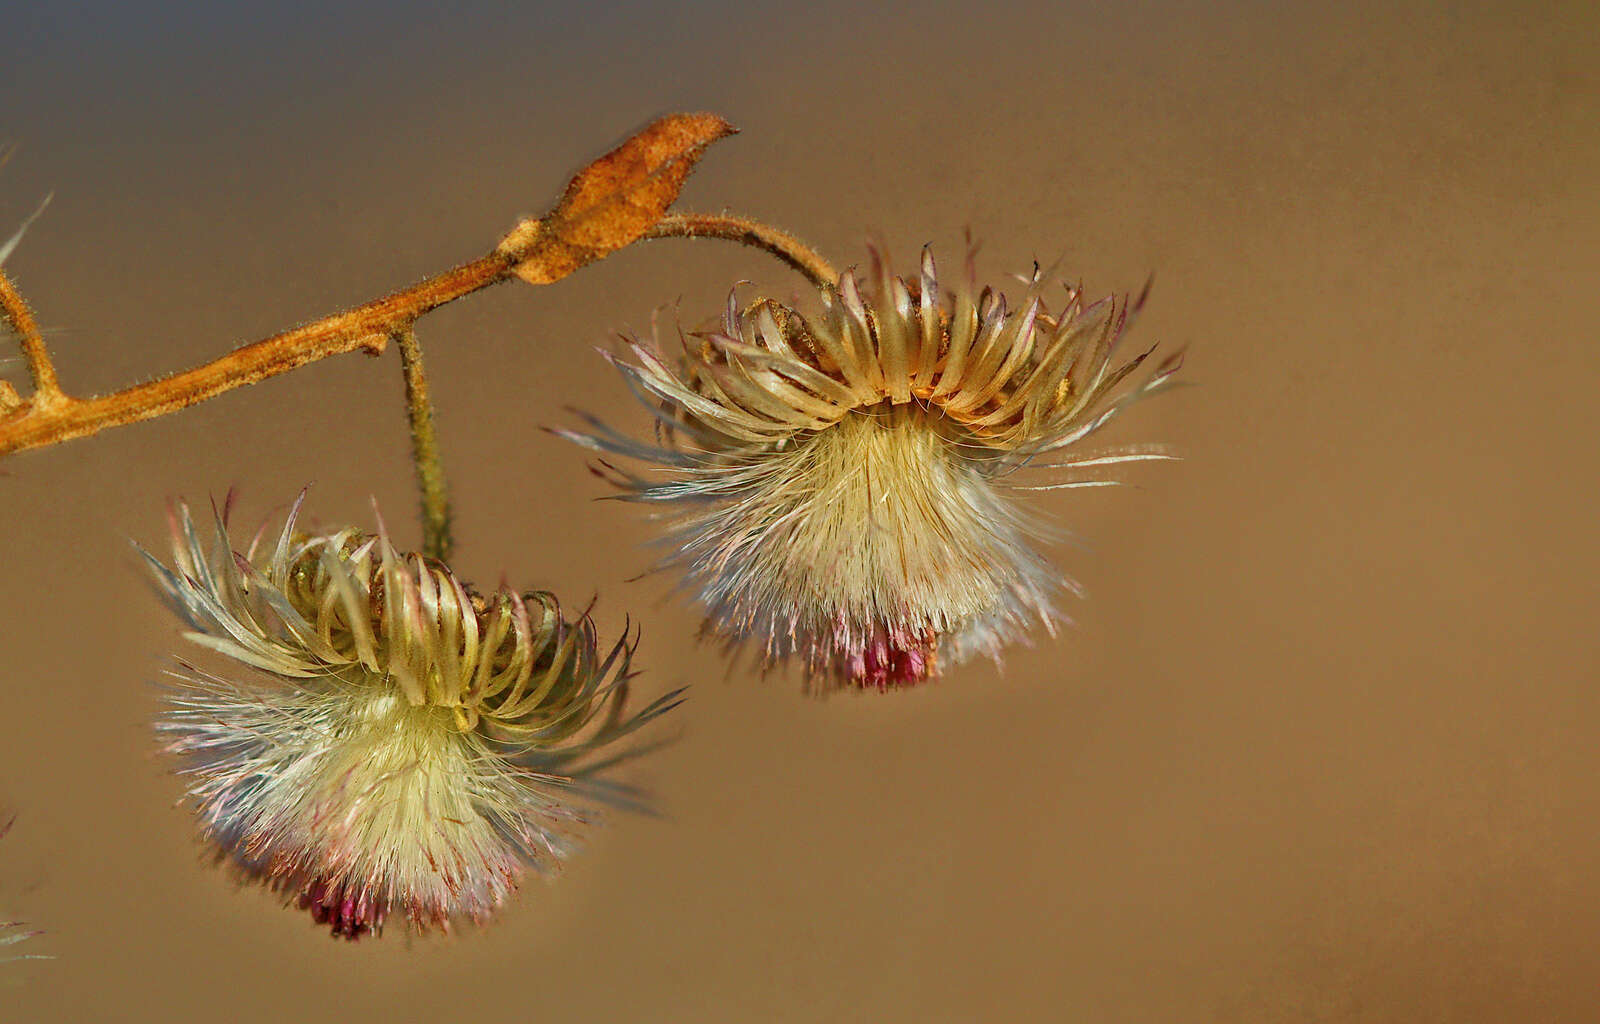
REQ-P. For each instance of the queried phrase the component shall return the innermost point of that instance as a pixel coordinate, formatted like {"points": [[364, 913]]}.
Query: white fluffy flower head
{"points": [[393, 742], [838, 483]]}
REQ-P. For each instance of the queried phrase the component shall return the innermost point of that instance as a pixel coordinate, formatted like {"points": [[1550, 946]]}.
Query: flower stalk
{"points": [[436, 539], [753, 233]]}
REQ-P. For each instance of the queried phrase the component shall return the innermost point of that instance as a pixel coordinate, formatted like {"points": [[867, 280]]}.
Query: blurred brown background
{"points": [[1321, 745]]}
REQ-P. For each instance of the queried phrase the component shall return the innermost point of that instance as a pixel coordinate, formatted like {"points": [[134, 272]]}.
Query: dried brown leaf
{"points": [[614, 200]]}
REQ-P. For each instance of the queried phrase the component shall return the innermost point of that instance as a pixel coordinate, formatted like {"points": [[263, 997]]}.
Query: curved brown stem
{"points": [[768, 239], [52, 417], [614, 201]]}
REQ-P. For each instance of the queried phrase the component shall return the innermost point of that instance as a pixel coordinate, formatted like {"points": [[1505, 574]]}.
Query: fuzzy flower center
{"points": [[886, 533], [369, 803]]}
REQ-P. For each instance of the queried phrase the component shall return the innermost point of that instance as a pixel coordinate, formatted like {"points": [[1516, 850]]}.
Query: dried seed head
{"points": [[401, 743], [838, 490]]}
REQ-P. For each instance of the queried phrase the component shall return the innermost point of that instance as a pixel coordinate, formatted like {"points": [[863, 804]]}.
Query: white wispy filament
{"points": [[12, 933]]}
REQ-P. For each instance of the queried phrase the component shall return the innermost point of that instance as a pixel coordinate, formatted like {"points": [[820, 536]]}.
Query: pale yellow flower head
{"points": [[386, 741], [838, 482]]}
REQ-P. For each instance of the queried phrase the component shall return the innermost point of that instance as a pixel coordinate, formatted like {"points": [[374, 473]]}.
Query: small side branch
{"points": [[47, 390], [768, 239], [436, 539]]}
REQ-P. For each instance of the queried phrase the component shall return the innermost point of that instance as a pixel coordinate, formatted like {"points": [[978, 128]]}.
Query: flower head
{"points": [[394, 742], [837, 480]]}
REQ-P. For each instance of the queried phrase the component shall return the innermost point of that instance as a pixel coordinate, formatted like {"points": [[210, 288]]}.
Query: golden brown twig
{"points": [[616, 200], [367, 327], [607, 205]]}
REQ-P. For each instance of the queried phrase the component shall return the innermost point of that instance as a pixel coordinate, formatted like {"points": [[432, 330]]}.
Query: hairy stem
{"points": [[753, 233], [606, 206], [47, 390], [436, 539], [366, 327], [52, 417]]}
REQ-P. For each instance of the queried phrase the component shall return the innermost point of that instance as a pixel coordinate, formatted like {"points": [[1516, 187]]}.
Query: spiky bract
{"points": [[13, 933], [403, 744], [835, 486]]}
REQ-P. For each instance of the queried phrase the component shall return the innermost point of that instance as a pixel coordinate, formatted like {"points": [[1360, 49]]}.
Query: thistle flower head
{"points": [[393, 742], [837, 480]]}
